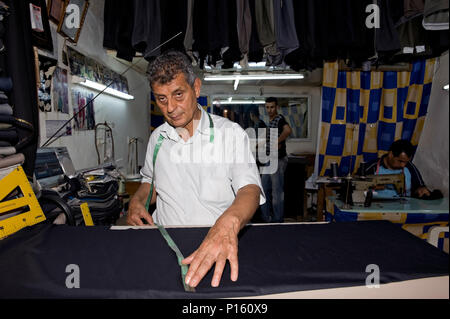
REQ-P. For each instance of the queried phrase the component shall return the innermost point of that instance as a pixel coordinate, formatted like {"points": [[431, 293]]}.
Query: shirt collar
{"points": [[203, 127]]}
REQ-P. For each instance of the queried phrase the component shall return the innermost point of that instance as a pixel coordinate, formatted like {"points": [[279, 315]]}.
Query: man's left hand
{"points": [[422, 191], [219, 245]]}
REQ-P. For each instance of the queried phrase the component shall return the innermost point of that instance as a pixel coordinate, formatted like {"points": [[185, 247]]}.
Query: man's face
{"points": [[178, 101], [271, 109], [397, 162]]}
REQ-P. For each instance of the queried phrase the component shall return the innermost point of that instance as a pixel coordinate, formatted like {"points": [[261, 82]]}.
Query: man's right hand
{"points": [[137, 212], [136, 209]]}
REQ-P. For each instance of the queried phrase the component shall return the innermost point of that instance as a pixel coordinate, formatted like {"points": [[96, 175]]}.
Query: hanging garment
{"points": [[285, 32], [173, 21], [118, 26], [265, 24], [307, 23], [387, 37], [413, 8], [210, 29], [351, 38], [147, 27], [413, 39], [436, 15], [256, 52], [232, 53], [189, 35], [244, 26]]}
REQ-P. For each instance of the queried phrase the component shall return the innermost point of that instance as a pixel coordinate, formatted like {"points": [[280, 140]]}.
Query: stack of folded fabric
{"points": [[9, 140], [10, 158]]}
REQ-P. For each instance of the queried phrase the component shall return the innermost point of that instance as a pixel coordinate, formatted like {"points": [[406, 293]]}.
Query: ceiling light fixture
{"points": [[445, 87], [236, 83], [216, 102], [245, 77], [101, 87]]}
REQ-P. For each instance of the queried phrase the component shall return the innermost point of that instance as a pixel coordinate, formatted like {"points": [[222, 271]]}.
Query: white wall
{"points": [[127, 118], [433, 150], [306, 146]]}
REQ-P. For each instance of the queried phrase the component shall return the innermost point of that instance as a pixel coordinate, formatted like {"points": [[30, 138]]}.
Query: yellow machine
{"points": [[19, 206]]}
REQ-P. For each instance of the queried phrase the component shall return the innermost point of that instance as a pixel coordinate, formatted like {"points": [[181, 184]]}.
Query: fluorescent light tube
{"points": [[239, 102], [101, 87], [236, 83], [243, 77]]}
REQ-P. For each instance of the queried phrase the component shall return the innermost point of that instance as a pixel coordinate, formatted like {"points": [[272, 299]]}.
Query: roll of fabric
{"points": [[7, 150], [9, 135], [4, 143], [435, 15], [6, 84], [3, 97], [5, 126], [6, 109], [285, 32], [16, 159], [18, 122], [5, 171]]}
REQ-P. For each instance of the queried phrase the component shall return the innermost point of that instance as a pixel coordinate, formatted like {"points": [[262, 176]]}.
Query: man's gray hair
{"points": [[165, 67]]}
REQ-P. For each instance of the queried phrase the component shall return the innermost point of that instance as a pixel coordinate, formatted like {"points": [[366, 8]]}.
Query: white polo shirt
{"points": [[197, 180]]}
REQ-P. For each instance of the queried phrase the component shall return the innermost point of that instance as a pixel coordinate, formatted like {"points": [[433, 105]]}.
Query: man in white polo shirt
{"points": [[203, 171]]}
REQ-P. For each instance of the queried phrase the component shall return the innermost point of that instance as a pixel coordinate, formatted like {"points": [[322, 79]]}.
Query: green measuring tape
{"points": [[162, 230]]}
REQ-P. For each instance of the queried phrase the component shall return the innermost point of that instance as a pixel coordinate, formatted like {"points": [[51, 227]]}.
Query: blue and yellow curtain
{"points": [[364, 112], [157, 118]]}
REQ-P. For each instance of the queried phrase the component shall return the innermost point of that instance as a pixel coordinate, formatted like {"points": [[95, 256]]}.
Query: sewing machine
{"points": [[359, 189]]}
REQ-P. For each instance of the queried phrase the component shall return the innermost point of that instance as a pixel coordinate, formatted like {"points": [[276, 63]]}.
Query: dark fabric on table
{"points": [[272, 259]]}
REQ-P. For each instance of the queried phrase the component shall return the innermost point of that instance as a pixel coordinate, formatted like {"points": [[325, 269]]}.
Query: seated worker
{"points": [[397, 161], [192, 189]]}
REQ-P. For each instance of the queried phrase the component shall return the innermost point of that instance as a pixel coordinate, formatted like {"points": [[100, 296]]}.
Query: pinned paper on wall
{"points": [[60, 93], [92, 70], [85, 119], [47, 67]]}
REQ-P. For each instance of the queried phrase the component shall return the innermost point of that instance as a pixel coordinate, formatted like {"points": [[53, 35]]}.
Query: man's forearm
{"points": [[284, 134], [243, 207], [142, 193]]}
